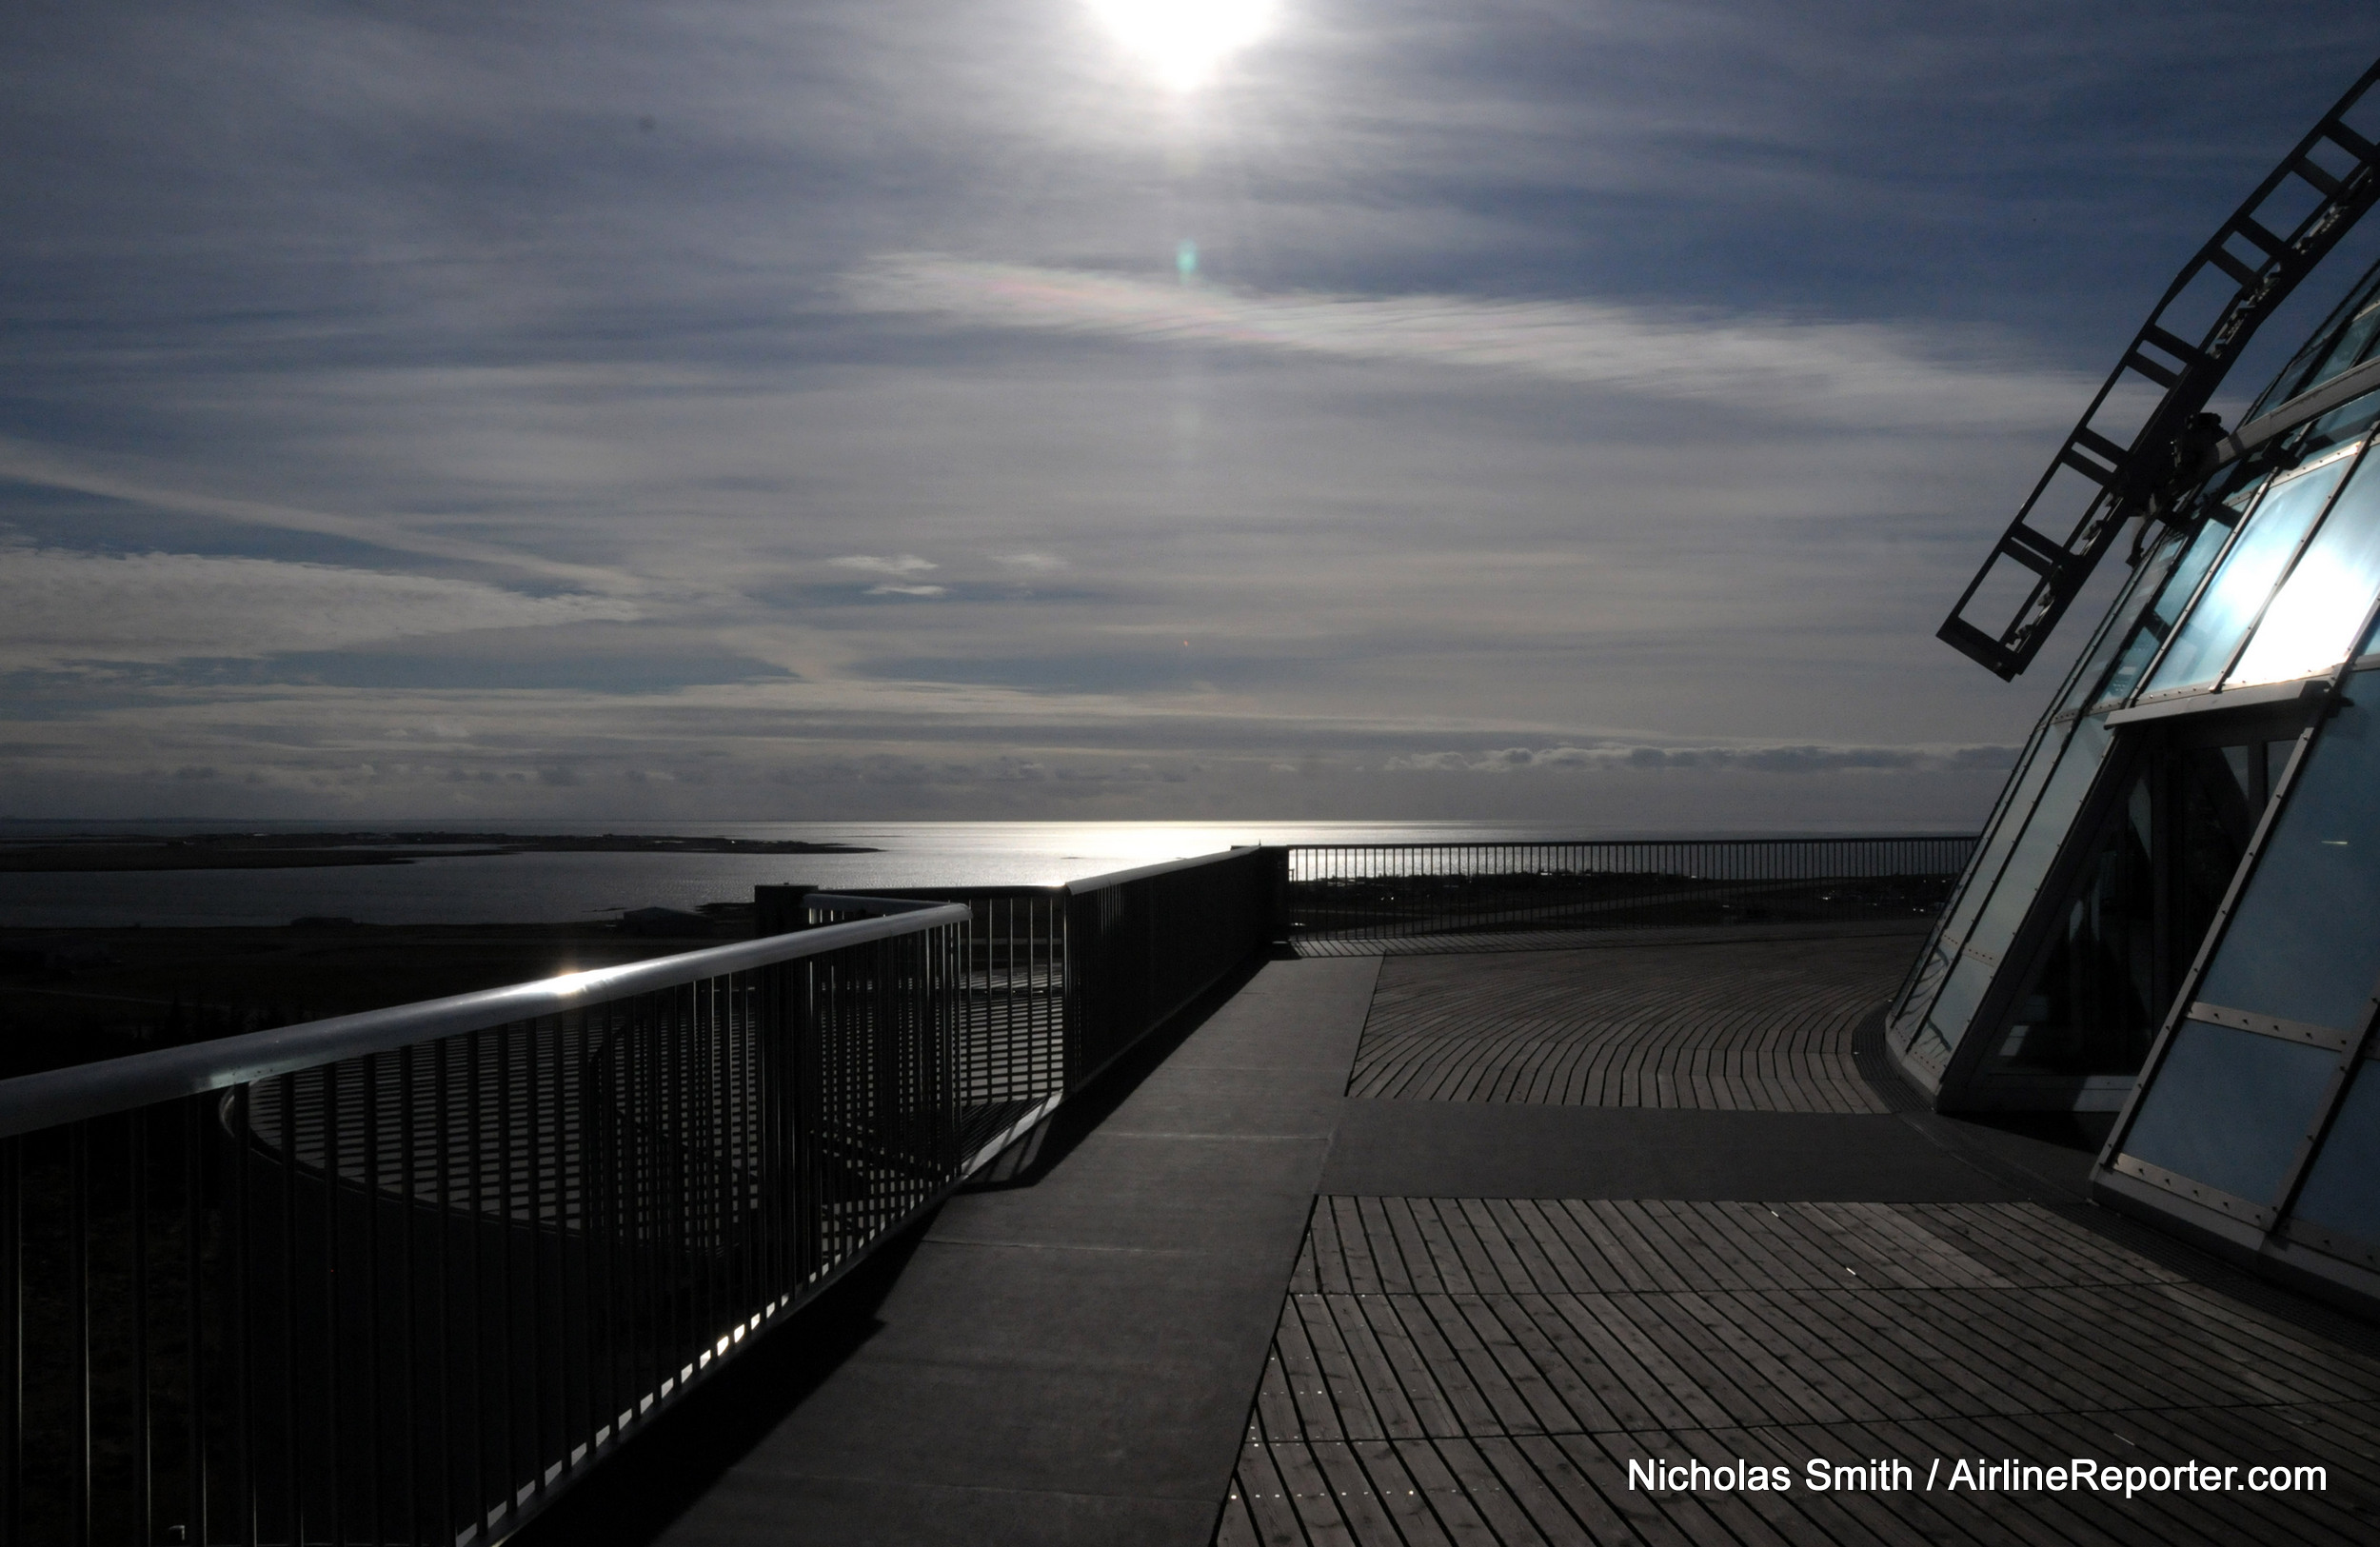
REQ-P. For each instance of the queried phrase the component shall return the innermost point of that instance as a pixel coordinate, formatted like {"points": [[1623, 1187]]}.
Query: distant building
{"points": [[2174, 912]]}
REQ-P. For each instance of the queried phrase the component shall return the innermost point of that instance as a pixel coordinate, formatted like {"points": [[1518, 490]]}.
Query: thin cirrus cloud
{"points": [[871, 564], [1785, 758], [897, 564], [66, 608], [1856, 374]]}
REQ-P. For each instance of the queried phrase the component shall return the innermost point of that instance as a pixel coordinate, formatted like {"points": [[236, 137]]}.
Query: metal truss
{"points": [[2177, 439]]}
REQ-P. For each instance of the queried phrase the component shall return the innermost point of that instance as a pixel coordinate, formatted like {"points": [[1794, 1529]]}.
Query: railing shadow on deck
{"points": [[669, 1467]]}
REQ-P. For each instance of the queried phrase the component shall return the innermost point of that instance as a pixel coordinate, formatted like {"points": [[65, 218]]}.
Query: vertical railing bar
{"points": [[658, 1225], [79, 1338], [11, 1338], [574, 1351], [376, 1449], [509, 1477], [193, 1110], [475, 1135], [441, 1160], [246, 1488], [597, 1124], [712, 1117], [638, 1193], [541, 1455], [294, 1521], [410, 1271], [137, 1158], [672, 1263], [750, 1225], [334, 1453]]}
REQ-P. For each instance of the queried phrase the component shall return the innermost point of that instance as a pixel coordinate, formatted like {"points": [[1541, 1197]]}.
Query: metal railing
{"points": [[402, 1275], [1385, 891], [1062, 979]]}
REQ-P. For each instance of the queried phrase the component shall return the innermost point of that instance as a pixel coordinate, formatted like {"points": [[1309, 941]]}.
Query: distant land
{"points": [[292, 851]]}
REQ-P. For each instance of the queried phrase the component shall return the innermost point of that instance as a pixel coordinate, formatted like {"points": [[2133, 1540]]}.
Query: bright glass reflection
{"points": [[2198, 655], [1184, 40], [2211, 535], [2312, 620]]}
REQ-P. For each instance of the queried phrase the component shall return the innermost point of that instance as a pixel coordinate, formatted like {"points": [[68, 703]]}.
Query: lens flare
{"points": [[1184, 41]]}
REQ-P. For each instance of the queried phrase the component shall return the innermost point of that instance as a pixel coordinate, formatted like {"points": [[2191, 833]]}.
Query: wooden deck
{"points": [[1429, 1247], [1470, 1370], [1762, 1026]]}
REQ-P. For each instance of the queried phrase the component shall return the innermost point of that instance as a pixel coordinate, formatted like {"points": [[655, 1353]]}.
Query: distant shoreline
{"points": [[296, 851]]}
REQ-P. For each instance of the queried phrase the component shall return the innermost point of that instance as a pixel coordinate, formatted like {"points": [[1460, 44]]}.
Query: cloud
{"points": [[66, 608], [906, 563], [1789, 759], [26, 462], [1039, 563], [894, 589], [1839, 373]]}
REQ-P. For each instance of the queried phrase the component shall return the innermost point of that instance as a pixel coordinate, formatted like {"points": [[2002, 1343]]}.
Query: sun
{"points": [[1183, 41]]}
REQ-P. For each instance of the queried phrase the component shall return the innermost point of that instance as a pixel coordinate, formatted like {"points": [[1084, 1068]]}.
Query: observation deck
{"points": [[1477, 1229], [1355, 1195]]}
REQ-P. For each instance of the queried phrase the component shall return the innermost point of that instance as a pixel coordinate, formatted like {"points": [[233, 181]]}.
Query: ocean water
{"points": [[547, 889]]}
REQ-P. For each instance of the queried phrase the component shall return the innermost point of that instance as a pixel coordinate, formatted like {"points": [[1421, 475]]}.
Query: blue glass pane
{"points": [[2315, 616], [2343, 1188], [2345, 337], [1992, 856], [2143, 648], [2305, 942], [2045, 830], [1946, 1026], [2235, 595], [2228, 1108]]}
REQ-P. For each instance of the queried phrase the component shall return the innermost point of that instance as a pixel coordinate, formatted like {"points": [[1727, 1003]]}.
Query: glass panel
{"points": [[2050, 820], [1991, 858], [2239, 589], [2122, 623], [2343, 1188], [1939, 1035], [2038, 829], [2090, 1008], [2228, 1108], [2353, 342], [2158, 622], [2104, 979], [2008, 816], [2215, 801], [2315, 616], [2337, 428], [2305, 943], [2339, 342]]}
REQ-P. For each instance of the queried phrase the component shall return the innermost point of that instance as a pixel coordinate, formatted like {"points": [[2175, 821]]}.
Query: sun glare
{"points": [[1183, 41]]}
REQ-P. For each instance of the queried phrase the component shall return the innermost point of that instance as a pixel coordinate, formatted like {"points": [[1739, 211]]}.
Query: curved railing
{"points": [[400, 1277], [1353, 892]]}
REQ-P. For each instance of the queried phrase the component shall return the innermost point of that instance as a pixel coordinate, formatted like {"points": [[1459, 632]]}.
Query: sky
{"points": [[1572, 412]]}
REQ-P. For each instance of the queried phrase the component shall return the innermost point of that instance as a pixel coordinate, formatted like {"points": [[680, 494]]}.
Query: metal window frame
{"points": [[2108, 1174]]}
